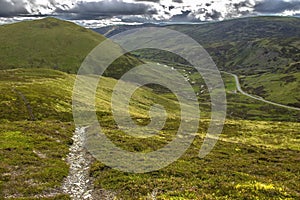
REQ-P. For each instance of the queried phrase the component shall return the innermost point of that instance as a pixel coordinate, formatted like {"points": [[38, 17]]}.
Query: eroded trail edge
{"points": [[78, 183]]}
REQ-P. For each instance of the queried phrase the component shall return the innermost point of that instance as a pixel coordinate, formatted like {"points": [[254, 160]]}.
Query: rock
{"points": [[78, 183]]}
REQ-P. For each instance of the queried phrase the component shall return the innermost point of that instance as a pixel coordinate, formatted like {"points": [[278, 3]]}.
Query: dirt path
{"points": [[26, 102]]}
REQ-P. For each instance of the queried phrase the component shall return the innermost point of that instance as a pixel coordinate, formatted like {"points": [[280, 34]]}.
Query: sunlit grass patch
{"points": [[32, 158], [270, 190]]}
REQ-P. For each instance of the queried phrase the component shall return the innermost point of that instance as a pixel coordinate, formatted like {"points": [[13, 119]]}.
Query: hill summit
{"points": [[48, 43]]}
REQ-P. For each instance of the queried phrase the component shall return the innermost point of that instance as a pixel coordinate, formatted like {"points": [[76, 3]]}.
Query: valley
{"points": [[256, 156], [264, 50]]}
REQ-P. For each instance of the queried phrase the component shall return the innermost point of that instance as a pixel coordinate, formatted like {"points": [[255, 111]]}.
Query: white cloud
{"points": [[87, 12]]}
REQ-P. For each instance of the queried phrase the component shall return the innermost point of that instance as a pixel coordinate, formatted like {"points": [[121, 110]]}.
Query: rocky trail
{"points": [[78, 184]]}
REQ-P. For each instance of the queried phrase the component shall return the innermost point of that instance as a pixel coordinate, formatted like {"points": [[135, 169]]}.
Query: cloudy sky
{"points": [[96, 13]]}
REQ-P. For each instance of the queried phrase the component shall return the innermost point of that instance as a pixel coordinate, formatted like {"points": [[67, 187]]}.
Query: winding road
{"points": [[239, 88], [109, 31]]}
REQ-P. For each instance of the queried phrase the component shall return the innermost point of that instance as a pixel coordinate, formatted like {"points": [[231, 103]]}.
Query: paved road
{"points": [[239, 88], [109, 31]]}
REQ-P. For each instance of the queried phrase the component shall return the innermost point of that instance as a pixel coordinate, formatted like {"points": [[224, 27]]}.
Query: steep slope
{"points": [[50, 43]]}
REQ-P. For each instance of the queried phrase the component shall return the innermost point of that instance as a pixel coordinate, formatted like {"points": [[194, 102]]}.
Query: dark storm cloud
{"points": [[276, 6], [213, 15], [178, 1], [94, 10], [242, 4], [146, 10], [171, 8], [189, 16], [155, 1], [12, 8], [184, 16]]}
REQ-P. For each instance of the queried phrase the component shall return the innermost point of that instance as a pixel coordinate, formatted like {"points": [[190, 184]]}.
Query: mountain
{"points": [[273, 39], [256, 156], [51, 43], [256, 45], [263, 51]]}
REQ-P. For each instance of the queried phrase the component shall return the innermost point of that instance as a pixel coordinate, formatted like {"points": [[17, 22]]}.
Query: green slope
{"points": [[51, 43], [260, 46], [266, 47], [248, 45], [253, 159], [36, 127]]}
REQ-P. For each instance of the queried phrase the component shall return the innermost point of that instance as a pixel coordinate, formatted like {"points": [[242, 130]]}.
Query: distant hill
{"points": [[256, 44], [50, 43], [263, 51]]}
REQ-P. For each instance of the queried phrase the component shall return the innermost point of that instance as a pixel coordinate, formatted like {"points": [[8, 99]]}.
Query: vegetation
{"points": [[33, 158], [36, 128], [256, 157], [53, 44], [36, 132], [251, 161], [282, 87], [36, 149], [265, 47]]}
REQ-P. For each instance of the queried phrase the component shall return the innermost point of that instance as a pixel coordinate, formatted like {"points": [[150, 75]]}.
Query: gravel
{"points": [[78, 184]]}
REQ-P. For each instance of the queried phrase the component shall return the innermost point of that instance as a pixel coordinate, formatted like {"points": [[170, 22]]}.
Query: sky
{"points": [[99, 13]]}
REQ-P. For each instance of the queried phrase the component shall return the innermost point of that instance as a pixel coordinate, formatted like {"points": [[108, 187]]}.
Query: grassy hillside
{"points": [[249, 45], [51, 43], [265, 47], [283, 88], [32, 159], [240, 106], [36, 127], [256, 157], [36, 132], [250, 161]]}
